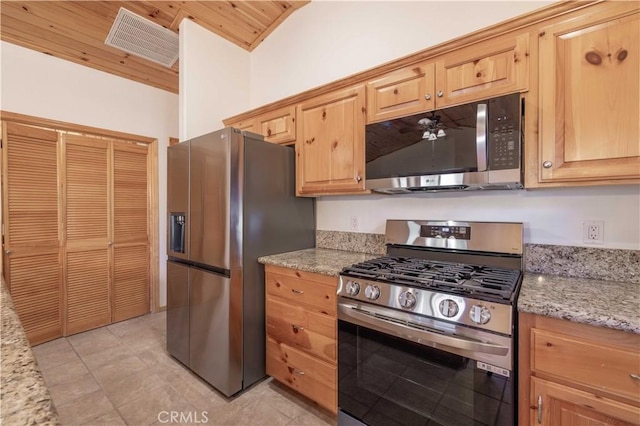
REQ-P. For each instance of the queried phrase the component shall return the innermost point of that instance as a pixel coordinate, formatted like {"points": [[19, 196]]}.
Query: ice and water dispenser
{"points": [[177, 225]]}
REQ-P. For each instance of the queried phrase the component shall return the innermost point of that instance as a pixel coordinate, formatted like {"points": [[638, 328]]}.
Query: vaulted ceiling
{"points": [[76, 30]]}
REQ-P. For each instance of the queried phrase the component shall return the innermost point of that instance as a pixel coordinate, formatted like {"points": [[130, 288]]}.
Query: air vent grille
{"points": [[141, 37]]}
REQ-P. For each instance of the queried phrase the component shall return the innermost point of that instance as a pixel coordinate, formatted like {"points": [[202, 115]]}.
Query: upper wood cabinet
{"points": [[330, 143], [483, 70], [589, 100], [277, 126], [406, 91], [491, 68]]}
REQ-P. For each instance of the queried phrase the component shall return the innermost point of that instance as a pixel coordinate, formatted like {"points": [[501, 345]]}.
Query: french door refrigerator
{"points": [[231, 198]]}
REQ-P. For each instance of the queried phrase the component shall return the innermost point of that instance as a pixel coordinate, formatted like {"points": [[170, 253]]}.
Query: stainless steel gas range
{"points": [[427, 333]]}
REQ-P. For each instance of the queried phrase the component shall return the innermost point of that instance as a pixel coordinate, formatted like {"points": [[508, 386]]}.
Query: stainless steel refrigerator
{"points": [[231, 198]]}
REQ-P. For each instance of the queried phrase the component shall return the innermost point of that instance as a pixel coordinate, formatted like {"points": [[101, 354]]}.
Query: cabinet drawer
{"points": [[603, 367], [303, 329], [317, 291], [312, 378]]}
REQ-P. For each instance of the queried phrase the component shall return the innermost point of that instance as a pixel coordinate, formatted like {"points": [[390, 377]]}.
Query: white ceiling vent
{"points": [[141, 37]]}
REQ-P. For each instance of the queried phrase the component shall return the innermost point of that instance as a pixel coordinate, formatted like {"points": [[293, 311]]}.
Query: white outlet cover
{"points": [[593, 231]]}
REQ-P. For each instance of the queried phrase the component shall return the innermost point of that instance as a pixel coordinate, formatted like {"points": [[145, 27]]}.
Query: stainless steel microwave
{"points": [[465, 147]]}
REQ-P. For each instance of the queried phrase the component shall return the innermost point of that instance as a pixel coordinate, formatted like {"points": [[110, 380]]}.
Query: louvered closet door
{"points": [[32, 245], [130, 231], [87, 272]]}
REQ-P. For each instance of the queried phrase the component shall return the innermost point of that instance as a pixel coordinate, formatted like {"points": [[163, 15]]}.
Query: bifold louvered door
{"points": [[87, 231], [130, 231], [76, 225], [31, 219]]}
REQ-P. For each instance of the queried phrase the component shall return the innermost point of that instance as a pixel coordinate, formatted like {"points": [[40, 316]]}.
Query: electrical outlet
{"points": [[354, 223], [593, 231]]}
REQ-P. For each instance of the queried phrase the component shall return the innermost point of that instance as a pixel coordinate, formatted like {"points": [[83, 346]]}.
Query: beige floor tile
{"points": [[118, 370], [131, 326], [92, 342], [109, 355], [64, 373], [131, 386], [134, 373], [150, 407], [112, 418], [80, 387], [54, 353], [81, 410]]}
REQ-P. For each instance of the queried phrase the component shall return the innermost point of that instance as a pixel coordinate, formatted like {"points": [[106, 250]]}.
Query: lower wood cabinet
{"points": [[301, 333], [576, 374]]}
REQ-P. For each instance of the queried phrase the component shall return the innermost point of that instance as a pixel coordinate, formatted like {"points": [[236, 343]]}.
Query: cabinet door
{"points": [[31, 237], [590, 97], [553, 404], [130, 231], [487, 69], [87, 233], [248, 124], [278, 126], [330, 143], [403, 92]]}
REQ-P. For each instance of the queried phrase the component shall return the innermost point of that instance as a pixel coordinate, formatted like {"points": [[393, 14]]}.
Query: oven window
{"points": [[386, 381]]}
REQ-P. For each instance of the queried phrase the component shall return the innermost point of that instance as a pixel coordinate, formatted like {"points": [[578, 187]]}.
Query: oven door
{"points": [[392, 373]]}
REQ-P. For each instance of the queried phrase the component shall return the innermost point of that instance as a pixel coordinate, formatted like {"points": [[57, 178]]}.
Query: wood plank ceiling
{"points": [[76, 30]]}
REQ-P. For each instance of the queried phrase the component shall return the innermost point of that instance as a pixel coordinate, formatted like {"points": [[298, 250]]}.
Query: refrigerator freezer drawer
{"points": [[215, 349], [178, 311]]}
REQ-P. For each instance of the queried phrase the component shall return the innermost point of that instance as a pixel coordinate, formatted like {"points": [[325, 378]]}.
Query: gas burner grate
{"points": [[464, 279]]}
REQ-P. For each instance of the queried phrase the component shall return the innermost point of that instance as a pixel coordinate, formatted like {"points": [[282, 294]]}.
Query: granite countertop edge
{"points": [[580, 300], [24, 396], [600, 303]]}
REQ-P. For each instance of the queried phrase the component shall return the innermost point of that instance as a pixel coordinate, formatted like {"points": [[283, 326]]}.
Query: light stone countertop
{"points": [[24, 397], [601, 303], [317, 260]]}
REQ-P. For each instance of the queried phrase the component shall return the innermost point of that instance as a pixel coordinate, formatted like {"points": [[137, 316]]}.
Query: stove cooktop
{"points": [[485, 282]]}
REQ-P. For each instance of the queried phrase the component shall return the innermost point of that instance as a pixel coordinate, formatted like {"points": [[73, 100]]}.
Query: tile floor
{"points": [[122, 374]]}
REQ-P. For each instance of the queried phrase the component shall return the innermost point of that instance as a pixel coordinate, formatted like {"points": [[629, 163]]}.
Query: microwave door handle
{"points": [[481, 137]]}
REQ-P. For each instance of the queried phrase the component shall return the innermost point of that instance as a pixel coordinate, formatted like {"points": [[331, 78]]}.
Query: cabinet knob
{"points": [[8, 252], [110, 243], [358, 178], [427, 97], [547, 164], [634, 376], [440, 93]]}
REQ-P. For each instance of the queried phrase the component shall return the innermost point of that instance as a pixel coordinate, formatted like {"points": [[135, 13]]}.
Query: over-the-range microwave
{"points": [[471, 146]]}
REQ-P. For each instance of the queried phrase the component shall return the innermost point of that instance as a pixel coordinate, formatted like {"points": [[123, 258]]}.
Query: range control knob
{"points": [[448, 308], [372, 292], [353, 288], [407, 299], [479, 314]]}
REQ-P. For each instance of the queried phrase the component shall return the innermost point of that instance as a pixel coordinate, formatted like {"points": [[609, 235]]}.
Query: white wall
{"points": [[43, 86], [327, 40], [214, 80], [552, 216]]}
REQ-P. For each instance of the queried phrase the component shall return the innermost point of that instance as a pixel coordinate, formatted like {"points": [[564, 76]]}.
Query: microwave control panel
{"points": [[504, 133]]}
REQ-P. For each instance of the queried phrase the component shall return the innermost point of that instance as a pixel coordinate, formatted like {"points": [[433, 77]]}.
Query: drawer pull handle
{"points": [[297, 328], [539, 409], [297, 291], [634, 376], [298, 372]]}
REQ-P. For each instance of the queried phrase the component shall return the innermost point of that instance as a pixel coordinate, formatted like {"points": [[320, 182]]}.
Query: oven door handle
{"points": [[423, 337]]}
